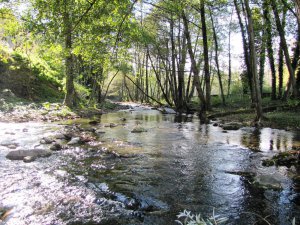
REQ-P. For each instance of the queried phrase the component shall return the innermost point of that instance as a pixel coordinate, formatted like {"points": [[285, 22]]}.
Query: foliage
{"points": [[195, 219]]}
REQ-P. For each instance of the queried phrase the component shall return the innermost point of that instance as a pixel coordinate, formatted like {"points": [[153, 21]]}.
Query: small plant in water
{"points": [[188, 218]]}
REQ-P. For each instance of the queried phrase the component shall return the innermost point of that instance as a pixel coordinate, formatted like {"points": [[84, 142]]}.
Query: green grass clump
{"points": [[283, 119]]}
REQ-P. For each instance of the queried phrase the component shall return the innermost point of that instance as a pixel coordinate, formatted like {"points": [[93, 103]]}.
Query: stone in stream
{"points": [[138, 129], [56, 147], [232, 126], [21, 154], [29, 159], [168, 111], [46, 140], [99, 131], [93, 122], [75, 141], [111, 125], [268, 181], [7, 143]]}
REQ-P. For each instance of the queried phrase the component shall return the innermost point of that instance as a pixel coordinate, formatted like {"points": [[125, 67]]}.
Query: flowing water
{"points": [[147, 178]]}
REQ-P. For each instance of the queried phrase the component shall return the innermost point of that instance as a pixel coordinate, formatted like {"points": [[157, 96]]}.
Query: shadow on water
{"points": [[149, 177]]}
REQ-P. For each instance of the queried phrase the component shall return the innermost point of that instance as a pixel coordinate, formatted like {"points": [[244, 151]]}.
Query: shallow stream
{"points": [[148, 178]]}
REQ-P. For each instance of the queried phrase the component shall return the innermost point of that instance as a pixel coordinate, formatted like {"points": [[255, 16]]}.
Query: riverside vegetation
{"points": [[72, 60]]}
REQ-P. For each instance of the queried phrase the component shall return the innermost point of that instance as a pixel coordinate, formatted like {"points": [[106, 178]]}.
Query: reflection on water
{"points": [[178, 164]]}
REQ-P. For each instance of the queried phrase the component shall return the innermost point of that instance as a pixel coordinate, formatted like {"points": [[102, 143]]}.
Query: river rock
{"points": [[111, 125], [267, 181], [46, 140], [7, 143], [93, 122], [21, 154], [56, 147], [100, 132], [168, 111], [7, 93], [232, 126], [29, 159], [138, 129], [74, 141]]}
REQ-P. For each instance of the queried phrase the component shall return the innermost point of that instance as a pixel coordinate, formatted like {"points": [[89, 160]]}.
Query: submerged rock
{"points": [[56, 147], [100, 131], [267, 181], [138, 129], [75, 141], [168, 111], [93, 122], [21, 154], [232, 126], [29, 159], [46, 140], [111, 125], [287, 159]]}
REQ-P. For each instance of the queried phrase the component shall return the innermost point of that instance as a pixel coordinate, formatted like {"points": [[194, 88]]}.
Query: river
{"points": [[147, 178]]}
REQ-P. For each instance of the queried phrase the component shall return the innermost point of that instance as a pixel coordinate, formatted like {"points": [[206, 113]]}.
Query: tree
{"points": [[253, 64], [269, 45], [280, 29]]}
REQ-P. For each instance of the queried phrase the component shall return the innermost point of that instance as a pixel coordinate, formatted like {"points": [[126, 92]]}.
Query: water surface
{"points": [[148, 178]]}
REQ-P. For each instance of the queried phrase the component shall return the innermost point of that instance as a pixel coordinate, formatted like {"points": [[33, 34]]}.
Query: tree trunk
{"points": [[285, 49], [206, 57], [70, 97], [173, 63], [262, 60], [217, 58], [245, 48], [269, 45], [280, 71], [195, 69], [253, 64], [298, 9], [147, 75], [181, 67], [229, 57]]}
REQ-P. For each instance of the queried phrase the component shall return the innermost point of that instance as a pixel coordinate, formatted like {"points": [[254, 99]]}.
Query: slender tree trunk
{"points": [[70, 97], [281, 32], [269, 45], [181, 68], [159, 81], [206, 57], [296, 57], [262, 60], [253, 63], [173, 63], [195, 69], [217, 58], [147, 75], [229, 56], [298, 9], [245, 48], [280, 71]]}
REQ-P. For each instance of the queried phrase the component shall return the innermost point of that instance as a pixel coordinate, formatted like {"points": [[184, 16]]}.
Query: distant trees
{"points": [[74, 23], [173, 52]]}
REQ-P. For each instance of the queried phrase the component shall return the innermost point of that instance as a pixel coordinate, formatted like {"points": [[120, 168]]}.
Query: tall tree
{"points": [[269, 44], [195, 69], [292, 80], [253, 63], [205, 53]]}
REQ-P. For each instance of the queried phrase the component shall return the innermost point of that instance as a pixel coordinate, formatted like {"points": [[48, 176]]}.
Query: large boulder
{"points": [[21, 154]]}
